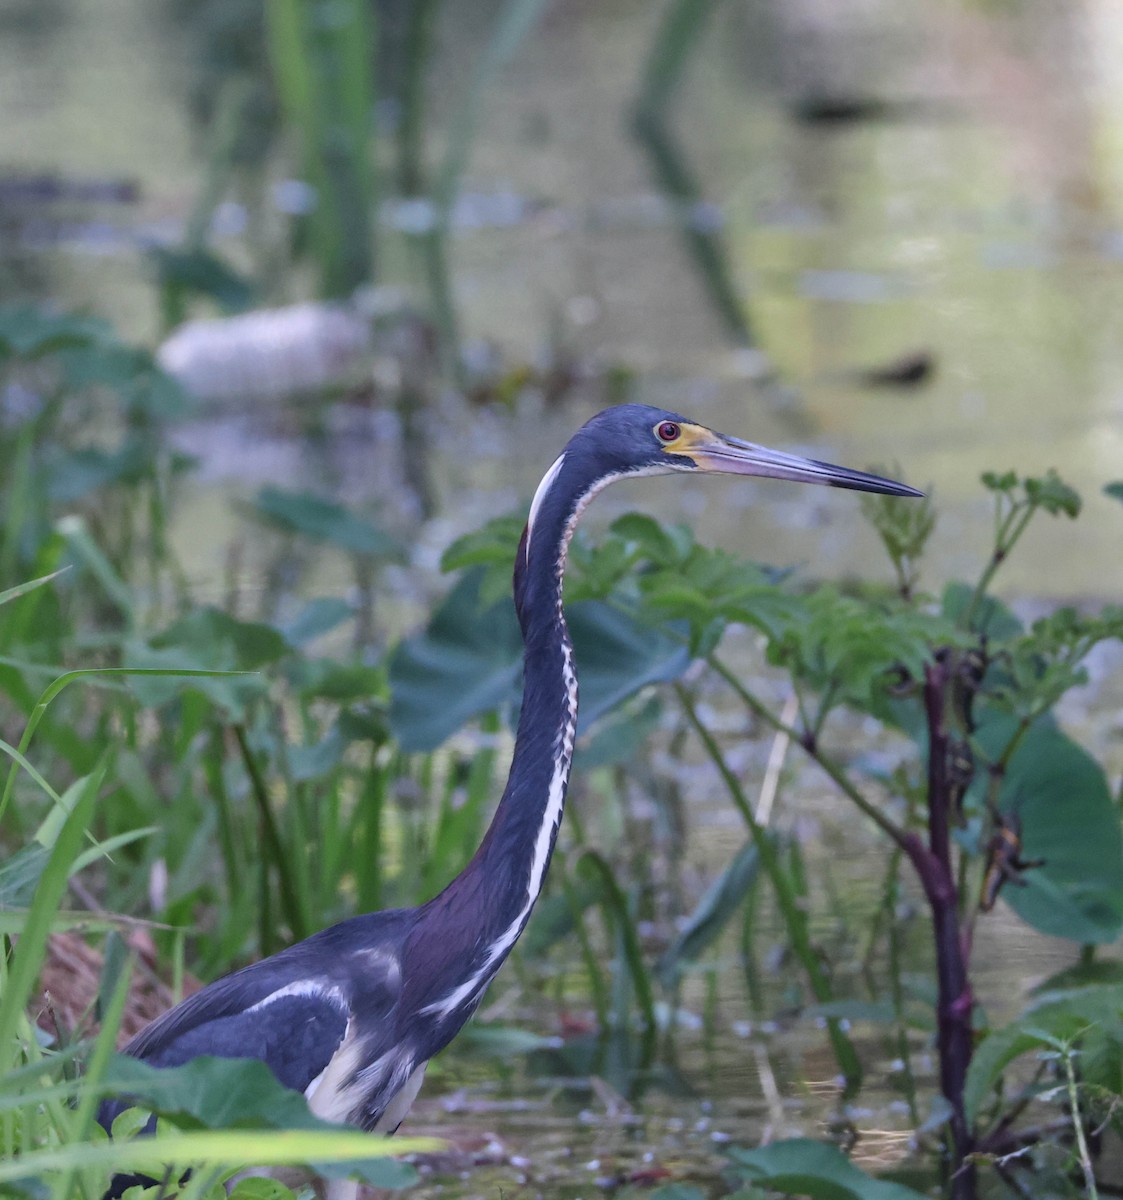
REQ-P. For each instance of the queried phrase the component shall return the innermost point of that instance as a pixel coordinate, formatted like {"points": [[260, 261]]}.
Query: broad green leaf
{"points": [[1060, 795], [334, 680], [1053, 495], [991, 616], [705, 924], [660, 544], [75, 474], [211, 1093], [258, 1187], [316, 618], [205, 274], [617, 655], [1090, 1014], [495, 544], [30, 333], [324, 521], [801, 1167], [318, 760], [221, 642], [224, 1093], [619, 734], [466, 662], [1115, 490], [176, 672], [1082, 974], [469, 661]]}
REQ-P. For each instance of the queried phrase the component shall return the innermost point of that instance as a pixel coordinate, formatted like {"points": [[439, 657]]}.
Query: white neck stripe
{"points": [[540, 495], [562, 755]]}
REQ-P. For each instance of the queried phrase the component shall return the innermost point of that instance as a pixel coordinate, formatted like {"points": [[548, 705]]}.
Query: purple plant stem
{"points": [[934, 866]]}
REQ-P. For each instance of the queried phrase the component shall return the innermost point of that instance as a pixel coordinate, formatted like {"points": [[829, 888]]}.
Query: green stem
{"points": [[832, 769], [588, 956], [1078, 1125], [795, 919], [1007, 537], [676, 38], [290, 900], [416, 43]]}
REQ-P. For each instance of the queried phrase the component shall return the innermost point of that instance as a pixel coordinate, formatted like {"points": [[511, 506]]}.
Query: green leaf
{"points": [[316, 618], [318, 760], [1060, 795], [21, 589], [230, 1094], [1082, 974], [469, 660], [705, 924], [257, 1187], [336, 1152], [203, 273], [19, 875], [334, 680], [1095, 1012], [660, 545], [1006, 482], [619, 734], [493, 545], [466, 662], [30, 333], [1115, 490], [617, 655], [219, 641], [157, 677], [801, 1167], [211, 1093], [1051, 493], [991, 616], [75, 474], [28, 956], [324, 521]]}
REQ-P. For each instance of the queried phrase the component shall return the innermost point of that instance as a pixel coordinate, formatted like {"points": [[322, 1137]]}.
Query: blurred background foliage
{"points": [[297, 301]]}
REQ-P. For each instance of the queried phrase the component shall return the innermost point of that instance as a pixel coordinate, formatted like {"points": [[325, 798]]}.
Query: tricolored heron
{"points": [[352, 1015]]}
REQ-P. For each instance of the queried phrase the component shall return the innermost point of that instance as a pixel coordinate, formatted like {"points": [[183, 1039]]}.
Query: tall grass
{"points": [[321, 55]]}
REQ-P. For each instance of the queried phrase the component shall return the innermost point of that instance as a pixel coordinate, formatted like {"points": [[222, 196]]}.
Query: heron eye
{"points": [[667, 431]]}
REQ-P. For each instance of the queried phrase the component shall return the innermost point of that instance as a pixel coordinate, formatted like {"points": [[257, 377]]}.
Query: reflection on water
{"points": [[968, 204]]}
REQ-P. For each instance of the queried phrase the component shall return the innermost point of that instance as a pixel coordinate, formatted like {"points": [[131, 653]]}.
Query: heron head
{"points": [[637, 439]]}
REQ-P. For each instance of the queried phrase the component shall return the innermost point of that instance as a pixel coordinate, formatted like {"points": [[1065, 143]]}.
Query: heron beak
{"points": [[731, 456]]}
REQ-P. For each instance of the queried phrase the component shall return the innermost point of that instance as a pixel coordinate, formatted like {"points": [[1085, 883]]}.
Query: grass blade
{"points": [[28, 955]]}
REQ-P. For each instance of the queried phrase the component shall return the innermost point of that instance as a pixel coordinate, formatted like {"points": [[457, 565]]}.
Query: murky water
{"points": [[975, 217]]}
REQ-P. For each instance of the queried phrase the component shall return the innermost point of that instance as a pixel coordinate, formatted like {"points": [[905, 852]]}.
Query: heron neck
{"points": [[480, 915], [520, 839]]}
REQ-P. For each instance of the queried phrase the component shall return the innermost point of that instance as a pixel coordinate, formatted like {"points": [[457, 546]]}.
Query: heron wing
{"points": [[293, 1011], [295, 1035]]}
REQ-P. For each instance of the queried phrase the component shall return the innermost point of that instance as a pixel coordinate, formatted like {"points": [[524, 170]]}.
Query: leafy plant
{"points": [[996, 798]]}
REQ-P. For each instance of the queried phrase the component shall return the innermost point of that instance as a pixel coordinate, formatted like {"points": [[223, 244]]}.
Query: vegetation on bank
{"points": [[201, 784]]}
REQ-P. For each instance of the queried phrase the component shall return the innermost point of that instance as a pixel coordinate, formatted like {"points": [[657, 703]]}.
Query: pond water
{"points": [[976, 217], [970, 216]]}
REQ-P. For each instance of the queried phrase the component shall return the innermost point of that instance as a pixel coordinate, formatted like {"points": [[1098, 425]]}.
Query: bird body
{"points": [[351, 1015]]}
